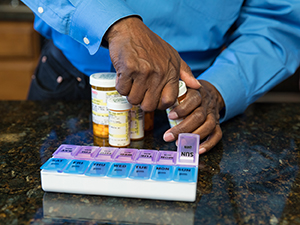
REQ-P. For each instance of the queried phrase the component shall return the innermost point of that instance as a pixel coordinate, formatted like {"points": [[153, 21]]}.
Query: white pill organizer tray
{"points": [[125, 172]]}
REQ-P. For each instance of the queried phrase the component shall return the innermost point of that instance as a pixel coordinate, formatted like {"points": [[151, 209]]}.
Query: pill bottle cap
{"points": [[182, 88], [103, 79], [118, 103]]}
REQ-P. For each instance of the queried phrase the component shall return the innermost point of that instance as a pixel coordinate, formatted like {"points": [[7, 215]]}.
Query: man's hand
{"points": [[148, 68], [201, 110]]}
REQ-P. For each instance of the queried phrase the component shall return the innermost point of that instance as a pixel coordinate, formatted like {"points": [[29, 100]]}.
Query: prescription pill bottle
{"points": [[103, 87], [119, 121], [137, 123], [149, 121], [181, 97]]}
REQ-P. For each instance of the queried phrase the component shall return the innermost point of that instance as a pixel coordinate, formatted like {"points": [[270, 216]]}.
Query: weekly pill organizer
{"points": [[125, 172]]}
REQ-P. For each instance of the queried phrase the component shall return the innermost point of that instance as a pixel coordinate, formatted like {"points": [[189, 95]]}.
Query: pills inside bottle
{"points": [[119, 121], [102, 87], [181, 97], [149, 121]]}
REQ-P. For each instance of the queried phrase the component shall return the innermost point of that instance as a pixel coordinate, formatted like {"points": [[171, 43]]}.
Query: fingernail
{"points": [[169, 137], [173, 115], [199, 83], [202, 150]]}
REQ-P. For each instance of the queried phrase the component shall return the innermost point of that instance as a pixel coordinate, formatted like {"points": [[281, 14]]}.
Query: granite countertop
{"points": [[250, 177]]}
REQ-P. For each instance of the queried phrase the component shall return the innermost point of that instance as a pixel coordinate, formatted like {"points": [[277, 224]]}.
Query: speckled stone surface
{"points": [[250, 177]]}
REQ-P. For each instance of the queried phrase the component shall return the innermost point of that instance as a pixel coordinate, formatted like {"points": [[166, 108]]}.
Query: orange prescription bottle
{"points": [[137, 123], [102, 87], [119, 121], [149, 121], [181, 97]]}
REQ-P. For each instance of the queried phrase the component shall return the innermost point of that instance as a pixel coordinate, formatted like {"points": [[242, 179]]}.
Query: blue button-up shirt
{"points": [[242, 47]]}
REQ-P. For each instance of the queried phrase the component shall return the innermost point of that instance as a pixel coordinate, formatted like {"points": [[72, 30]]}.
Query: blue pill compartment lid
{"points": [[55, 164], [185, 174], [140, 171], [119, 170], [77, 166], [162, 173], [98, 169], [188, 149]]}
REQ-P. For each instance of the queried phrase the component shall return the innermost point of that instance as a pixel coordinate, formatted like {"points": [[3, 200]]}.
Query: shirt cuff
{"points": [[93, 18], [225, 78]]}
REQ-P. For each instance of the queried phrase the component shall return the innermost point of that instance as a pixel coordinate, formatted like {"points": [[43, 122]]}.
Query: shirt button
{"points": [[40, 10], [86, 40]]}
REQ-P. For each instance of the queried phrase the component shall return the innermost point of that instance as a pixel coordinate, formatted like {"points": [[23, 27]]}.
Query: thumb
{"points": [[187, 76]]}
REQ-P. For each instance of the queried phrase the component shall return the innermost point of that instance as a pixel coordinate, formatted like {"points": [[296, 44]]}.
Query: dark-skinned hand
{"points": [[148, 68], [200, 110]]}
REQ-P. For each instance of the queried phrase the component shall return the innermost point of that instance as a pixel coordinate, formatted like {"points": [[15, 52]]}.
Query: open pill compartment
{"points": [[125, 172]]}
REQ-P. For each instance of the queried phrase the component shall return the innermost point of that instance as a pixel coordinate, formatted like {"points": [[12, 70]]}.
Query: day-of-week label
{"points": [[166, 157], [105, 153], [126, 154], [146, 155], [141, 168], [97, 166], [86, 151], [120, 166], [77, 163], [187, 154], [162, 168], [184, 170], [67, 150], [56, 161]]}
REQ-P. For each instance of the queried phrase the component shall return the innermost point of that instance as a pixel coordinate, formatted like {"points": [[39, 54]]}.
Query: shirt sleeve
{"points": [[263, 50], [85, 21]]}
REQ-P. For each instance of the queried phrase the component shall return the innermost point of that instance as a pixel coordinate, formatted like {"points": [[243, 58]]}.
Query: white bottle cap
{"points": [[118, 103], [182, 88], [103, 79]]}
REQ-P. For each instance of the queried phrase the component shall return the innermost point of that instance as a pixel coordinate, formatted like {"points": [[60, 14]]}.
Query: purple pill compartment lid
{"points": [[86, 152], [188, 149], [106, 154], [166, 158], [126, 155], [146, 156], [66, 151]]}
